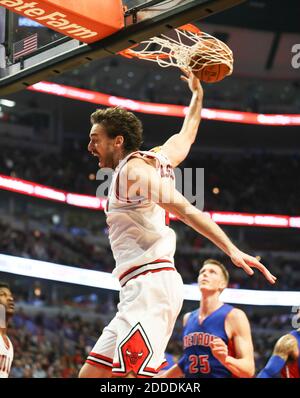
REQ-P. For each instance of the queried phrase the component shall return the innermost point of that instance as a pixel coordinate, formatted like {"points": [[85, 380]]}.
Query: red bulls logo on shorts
{"points": [[134, 356], [134, 351]]}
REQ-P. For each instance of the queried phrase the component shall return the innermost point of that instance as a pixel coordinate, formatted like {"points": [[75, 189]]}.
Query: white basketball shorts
{"points": [[136, 339]]}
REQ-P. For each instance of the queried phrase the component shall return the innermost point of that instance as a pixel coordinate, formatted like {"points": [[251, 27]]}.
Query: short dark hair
{"points": [[220, 265], [4, 285], [118, 121]]}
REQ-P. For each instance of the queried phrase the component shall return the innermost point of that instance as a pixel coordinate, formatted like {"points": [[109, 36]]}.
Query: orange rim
{"points": [[130, 53]]}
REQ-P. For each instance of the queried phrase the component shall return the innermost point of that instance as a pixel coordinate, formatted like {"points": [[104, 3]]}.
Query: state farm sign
{"points": [[85, 20]]}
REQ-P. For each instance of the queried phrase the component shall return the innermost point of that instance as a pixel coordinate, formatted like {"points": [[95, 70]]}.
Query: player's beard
{"points": [[107, 161]]}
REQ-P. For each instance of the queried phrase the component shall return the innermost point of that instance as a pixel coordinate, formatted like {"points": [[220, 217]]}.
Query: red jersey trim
{"points": [[126, 276], [97, 364], [94, 354], [140, 266]]}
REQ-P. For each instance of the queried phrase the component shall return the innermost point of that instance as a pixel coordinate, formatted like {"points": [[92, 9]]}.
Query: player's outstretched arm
{"points": [[161, 190], [177, 147], [242, 364], [204, 225], [282, 350]]}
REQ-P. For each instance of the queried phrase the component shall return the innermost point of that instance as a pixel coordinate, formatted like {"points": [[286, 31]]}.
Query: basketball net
{"points": [[188, 48]]}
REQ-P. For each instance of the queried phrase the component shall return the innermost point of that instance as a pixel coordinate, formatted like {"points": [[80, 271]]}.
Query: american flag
{"points": [[25, 46]]}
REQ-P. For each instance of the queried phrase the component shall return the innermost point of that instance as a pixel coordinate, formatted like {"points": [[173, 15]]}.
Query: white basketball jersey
{"points": [[6, 356], [138, 232]]}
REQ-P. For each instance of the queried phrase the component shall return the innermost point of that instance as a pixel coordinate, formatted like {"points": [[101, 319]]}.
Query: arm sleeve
{"points": [[272, 368]]}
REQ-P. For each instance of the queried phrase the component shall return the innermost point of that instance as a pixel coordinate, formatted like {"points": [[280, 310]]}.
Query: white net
{"points": [[184, 49]]}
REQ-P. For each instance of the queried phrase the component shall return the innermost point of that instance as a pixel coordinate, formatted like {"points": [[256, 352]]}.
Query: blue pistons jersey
{"points": [[197, 360]]}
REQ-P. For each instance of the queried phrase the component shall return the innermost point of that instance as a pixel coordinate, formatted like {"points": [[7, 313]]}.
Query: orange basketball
{"points": [[212, 61], [212, 73]]}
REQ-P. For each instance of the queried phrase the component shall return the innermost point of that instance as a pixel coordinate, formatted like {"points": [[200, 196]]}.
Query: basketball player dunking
{"points": [[142, 243], [6, 312], [216, 337], [285, 360]]}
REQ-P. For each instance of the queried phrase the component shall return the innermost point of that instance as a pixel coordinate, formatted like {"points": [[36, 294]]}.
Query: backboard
{"points": [[30, 52]]}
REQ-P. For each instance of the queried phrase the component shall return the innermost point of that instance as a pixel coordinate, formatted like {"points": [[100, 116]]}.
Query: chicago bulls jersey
{"points": [[198, 360], [6, 356], [138, 231], [292, 367]]}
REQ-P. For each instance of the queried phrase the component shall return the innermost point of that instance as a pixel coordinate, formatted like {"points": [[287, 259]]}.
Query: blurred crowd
{"points": [[234, 182], [57, 346], [55, 246], [121, 77], [248, 181], [51, 346], [69, 247]]}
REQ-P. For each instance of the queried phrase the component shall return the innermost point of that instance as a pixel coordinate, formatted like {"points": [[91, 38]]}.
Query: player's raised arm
{"points": [[161, 191], [178, 146]]}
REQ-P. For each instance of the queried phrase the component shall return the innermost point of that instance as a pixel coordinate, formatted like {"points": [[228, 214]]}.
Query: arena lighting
{"points": [[104, 280], [8, 103], [94, 203], [91, 202], [29, 23], [164, 109]]}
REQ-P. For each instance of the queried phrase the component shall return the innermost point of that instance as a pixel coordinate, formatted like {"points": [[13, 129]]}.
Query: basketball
{"points": [[212, 61]]}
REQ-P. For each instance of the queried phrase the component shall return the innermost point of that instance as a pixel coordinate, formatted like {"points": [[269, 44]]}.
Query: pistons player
{"points": [[141, 194], [216, 337], [6, 312], [285, 360]]}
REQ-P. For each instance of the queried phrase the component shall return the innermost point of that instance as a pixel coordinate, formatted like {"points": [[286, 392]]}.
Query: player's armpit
{"points": [[176, 149]]}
